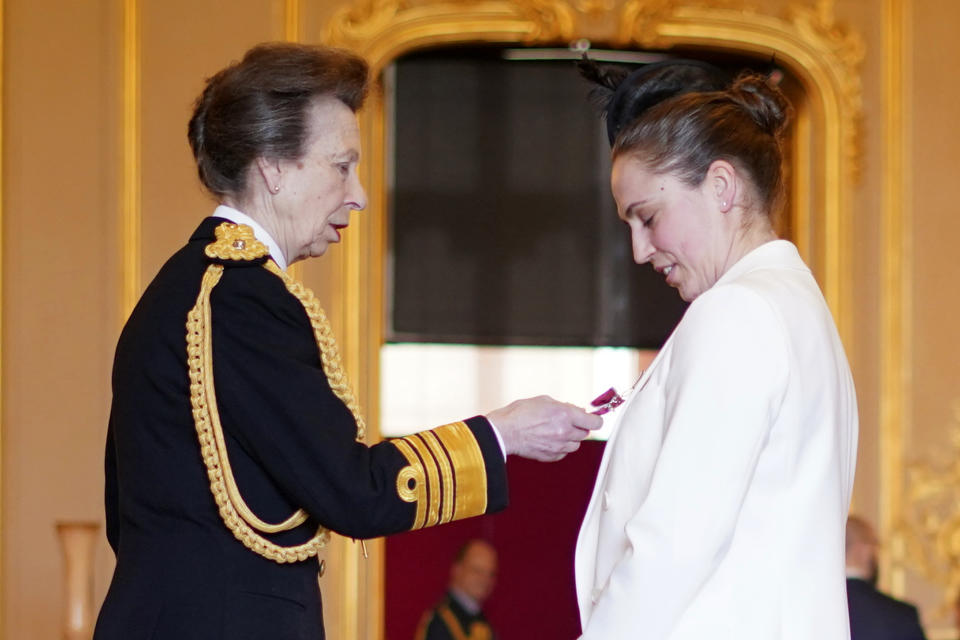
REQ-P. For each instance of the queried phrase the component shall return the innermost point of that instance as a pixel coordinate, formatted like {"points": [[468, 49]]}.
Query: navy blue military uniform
{"points": [[181, 574]]}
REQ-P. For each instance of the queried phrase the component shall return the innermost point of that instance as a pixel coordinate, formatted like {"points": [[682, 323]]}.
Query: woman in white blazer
{"points": [[719, 506]]}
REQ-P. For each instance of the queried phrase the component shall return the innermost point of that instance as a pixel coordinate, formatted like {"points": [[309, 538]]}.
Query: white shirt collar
{"points": [[470, 605], [238, 217]]}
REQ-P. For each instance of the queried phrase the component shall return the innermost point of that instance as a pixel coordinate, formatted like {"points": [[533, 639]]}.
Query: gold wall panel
{"points": [[130, 190], [896, 356], [2, 49]]}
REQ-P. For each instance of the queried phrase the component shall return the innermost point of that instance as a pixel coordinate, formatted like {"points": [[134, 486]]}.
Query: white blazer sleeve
{"points": [[726, 382]]}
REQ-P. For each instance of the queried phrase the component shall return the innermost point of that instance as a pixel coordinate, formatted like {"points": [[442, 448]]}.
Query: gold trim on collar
{"points": [[446, 476]]}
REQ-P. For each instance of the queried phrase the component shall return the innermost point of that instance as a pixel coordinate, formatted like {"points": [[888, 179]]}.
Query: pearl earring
{"points": [[723, 204], [276, 189]]}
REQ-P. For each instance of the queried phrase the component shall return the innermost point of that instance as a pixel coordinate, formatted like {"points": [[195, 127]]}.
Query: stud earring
{"points": [[276, 189], [723, 205]]}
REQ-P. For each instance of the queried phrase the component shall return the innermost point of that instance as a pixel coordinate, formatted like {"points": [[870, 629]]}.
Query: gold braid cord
{"points": [[236, 515]]}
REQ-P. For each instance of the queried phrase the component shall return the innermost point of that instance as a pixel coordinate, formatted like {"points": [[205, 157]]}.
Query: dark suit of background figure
{"points": [[459, 615], [450, 621], [877, 616], [181, 574], [873, 615]]}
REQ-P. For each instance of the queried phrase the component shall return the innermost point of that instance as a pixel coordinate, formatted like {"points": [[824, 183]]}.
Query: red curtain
{"points": [[535, 538]]}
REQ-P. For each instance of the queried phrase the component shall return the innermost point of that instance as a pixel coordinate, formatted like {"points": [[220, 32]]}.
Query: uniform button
{"points": [[605, 502], [323, 567], [595, 594]]}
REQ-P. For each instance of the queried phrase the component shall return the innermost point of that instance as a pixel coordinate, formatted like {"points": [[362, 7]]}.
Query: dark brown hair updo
{"points": [[257, 108], [743, 125]]}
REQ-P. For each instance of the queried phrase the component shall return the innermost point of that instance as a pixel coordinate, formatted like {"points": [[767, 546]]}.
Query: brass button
{"points": [[323, 567]]}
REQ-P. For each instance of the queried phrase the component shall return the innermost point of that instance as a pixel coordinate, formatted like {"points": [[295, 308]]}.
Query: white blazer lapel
{"points": [[585, 557]]}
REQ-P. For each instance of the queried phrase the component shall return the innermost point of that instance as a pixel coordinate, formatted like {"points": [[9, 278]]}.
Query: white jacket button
{"points": [[595, 594], [605, 502]]}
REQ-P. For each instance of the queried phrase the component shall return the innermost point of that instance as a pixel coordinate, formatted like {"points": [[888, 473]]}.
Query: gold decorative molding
{"points": [[382, 30], [130, 204], [3, 45], [291, 20], [896, 296], [291, 33], [927, 529], [595, 8]]}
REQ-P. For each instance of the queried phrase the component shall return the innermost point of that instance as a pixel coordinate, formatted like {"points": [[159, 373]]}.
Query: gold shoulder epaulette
{"points": [[236, 242]]}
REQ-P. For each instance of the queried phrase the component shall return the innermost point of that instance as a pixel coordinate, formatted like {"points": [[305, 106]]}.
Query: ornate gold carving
{"points": [[236, 242], [845, 50], [927, 535], [381, 30], [639, 19], [595, 8]]}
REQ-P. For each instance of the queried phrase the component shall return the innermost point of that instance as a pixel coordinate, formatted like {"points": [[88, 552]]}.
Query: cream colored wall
{"points": [[931, 441], [61, 254], [59, 288], [935, 138], [62, 180]]}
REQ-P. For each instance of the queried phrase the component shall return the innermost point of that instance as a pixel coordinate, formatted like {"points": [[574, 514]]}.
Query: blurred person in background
{"points": [[459, 615], [873, 614]]}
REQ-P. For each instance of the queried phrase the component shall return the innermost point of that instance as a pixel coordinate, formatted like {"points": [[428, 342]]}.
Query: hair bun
{"points": [[765, 103]]}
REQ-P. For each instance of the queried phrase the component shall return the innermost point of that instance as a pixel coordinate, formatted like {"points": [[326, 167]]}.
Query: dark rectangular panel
{"points": [[502, 224]]}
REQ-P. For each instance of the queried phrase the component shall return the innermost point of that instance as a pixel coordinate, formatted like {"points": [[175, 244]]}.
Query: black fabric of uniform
{"points": [[181, 574]]}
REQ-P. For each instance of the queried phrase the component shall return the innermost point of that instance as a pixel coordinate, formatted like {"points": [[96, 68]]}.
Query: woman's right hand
{"points": [[542, 428]]}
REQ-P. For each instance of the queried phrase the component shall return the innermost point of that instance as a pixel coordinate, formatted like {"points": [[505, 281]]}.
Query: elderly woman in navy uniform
{"points": [[234, 441], [719, 506]]}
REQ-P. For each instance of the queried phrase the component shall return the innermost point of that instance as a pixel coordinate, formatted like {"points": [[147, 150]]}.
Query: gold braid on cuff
{"points": [[446, 475], [234, 512]]}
